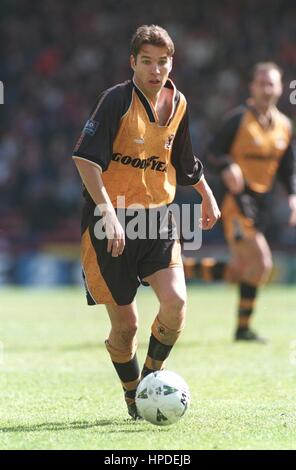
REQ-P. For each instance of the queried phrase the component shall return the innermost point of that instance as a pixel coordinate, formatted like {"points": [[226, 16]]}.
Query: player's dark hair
{"points": [[265, 67], [154, 35]]}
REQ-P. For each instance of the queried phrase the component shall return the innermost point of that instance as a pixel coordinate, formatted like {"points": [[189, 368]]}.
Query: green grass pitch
{"points": [[58, 389]]}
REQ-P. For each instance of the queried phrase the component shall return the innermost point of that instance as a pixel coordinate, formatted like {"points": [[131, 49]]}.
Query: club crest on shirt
{"points": [[169, 142]]}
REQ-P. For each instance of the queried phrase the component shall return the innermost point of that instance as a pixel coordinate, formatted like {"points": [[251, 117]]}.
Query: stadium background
{"points": [[56, 56]]}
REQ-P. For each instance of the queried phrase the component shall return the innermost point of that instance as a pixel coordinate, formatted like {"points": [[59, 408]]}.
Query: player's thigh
{"points": [[253, 251], [123, 316], [169, 285]]}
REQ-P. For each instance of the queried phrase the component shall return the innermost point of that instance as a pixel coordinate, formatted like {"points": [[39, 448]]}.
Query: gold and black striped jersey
{"points": [[139, 158]]}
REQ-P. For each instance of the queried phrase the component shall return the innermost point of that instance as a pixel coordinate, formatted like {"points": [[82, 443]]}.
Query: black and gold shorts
{"points": [[245, 214], [115, 280]]}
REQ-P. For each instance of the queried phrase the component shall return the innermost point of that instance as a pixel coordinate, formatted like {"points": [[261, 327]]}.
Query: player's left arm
{"points": [[287, 175], [189, 172]]}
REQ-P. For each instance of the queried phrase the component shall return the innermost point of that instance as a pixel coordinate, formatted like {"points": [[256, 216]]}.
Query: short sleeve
{"points": [[188, 167], [96, 140], [219, 147]]}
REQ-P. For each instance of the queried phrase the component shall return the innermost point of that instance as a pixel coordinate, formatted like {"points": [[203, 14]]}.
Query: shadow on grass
{"points": [[101, 346], [51, 348], [75, 425]]}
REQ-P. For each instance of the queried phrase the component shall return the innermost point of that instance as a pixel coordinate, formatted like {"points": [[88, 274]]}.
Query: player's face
{"points": [[266, 88], [151, 68]]}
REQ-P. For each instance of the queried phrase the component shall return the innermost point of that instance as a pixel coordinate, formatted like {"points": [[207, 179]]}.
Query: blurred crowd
{"points": [[57, 56]]}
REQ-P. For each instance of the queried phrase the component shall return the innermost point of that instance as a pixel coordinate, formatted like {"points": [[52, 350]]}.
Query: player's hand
{"points": [[115, 234], [210, 211], [233, 178], [292, 205]]}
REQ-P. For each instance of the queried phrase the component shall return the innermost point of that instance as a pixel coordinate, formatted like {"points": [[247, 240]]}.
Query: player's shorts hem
{"points": [[155, 268], [91, 301], [108, 302]]}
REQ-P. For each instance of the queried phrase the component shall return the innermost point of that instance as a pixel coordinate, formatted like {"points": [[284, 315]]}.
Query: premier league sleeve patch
{"points": [[90, 127]]}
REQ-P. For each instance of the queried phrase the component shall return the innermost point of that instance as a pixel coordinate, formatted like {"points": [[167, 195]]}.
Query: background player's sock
{"points": [[161, 342], [128, 371], [246, 306], [207, 269]]}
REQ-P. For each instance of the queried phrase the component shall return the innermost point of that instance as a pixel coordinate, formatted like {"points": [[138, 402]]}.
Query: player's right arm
{"points": [[93, 153], [219, 159], [92, 180]]}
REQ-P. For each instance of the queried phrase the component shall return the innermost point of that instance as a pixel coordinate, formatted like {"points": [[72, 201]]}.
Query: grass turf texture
{"points": [[59, 389]]}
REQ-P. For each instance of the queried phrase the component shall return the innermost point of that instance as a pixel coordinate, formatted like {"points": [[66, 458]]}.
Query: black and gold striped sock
{"points": [[248, 294], [207, 269], [161, 341], [128, 371], [156, 356]]}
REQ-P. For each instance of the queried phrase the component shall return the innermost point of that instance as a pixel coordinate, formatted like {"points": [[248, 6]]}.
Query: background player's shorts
{"points": [[244, 215], [115, 280]]}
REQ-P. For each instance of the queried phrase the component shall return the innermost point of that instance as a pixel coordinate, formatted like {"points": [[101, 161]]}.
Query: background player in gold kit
{"points": [[253, 147], [136, 144]]}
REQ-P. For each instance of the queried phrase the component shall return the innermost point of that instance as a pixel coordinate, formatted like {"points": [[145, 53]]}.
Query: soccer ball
{"points": [[162, 397]]}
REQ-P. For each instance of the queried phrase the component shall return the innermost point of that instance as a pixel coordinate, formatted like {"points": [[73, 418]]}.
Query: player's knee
{"points": [[126, 332], [268, 264], [130, 329], [175, 304], [264, 266], [258, 272]]}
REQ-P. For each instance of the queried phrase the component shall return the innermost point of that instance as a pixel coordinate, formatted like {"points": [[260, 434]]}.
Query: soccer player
{"points": [[253, 147], [136, 145]]}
